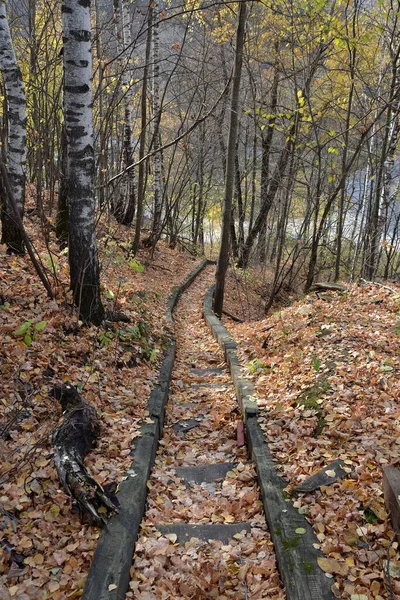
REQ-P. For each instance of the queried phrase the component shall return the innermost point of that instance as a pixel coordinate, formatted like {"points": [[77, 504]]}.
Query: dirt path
{"points": [[204, 534]]}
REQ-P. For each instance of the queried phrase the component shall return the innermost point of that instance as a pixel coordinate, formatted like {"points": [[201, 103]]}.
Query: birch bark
{"points": [[124, 207], [142, 140], [16, 142], [157, 180], [83, 261]]}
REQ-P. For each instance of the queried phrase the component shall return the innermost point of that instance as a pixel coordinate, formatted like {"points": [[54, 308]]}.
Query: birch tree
{"points": [[83, 261], [124, 208], [16, 143], [157, 178], [142, 139]]}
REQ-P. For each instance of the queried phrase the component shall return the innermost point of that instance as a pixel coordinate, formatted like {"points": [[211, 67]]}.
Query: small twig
{"points": [[268, 327], [154, 266], [236, 319]]}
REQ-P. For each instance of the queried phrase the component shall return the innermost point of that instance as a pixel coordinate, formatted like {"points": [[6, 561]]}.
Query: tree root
{"points": [[72, 440]]}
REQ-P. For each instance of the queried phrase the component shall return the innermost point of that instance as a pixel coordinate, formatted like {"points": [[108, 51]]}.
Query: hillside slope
{"points": [[45, 550], [327, 383]]}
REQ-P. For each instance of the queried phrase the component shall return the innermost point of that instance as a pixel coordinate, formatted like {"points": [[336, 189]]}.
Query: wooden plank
{"points": [[328, 475], [223, 532], [391, 492], [293, 537], [205, 473], [240, 434]]}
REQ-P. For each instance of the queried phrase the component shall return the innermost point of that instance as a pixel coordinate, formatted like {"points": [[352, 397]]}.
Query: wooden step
{"points": [[195, 386], [208, 531], [205, 473], [182, 427], [214, 371]]}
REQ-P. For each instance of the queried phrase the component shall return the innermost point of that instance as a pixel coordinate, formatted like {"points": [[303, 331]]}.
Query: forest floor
{"points": [[199, 439], [45, 551], [326, 372]]}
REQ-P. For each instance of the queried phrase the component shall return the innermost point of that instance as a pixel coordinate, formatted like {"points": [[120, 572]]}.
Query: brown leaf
{"points": [[333, 566]]}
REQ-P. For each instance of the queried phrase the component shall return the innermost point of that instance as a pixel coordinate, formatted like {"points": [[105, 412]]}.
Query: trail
{"points": [[204, 534]]}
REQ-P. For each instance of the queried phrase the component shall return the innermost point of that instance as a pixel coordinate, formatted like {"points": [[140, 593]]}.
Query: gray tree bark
{"points": [[83, 261], [223, 257], [16, 142], [157, 178], [128, 134]]}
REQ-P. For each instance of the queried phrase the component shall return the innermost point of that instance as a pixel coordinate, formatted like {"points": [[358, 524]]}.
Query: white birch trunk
{"points": [[125, 205], [16, 142], [84, 270], [157, 179]]}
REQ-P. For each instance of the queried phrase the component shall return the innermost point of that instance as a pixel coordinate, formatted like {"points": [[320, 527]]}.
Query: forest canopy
{"points": [[316, 172]]}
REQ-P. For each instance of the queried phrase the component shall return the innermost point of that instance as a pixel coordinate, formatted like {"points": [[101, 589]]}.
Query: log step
{"points": [[182, 427], [218, 531], [214, 371], [195, 386], [205, 473]]}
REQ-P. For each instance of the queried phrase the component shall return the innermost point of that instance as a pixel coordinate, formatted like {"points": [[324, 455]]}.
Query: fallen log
{"points": [[72, 440], [324, 286]]}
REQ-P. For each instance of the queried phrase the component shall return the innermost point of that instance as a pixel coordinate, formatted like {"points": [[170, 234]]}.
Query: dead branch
{"points": [[382, 285], [72, 440], [28, 244], [235, 319]]}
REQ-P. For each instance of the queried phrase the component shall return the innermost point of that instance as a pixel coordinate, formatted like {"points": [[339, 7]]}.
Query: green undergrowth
{"points": [[311, 399]]}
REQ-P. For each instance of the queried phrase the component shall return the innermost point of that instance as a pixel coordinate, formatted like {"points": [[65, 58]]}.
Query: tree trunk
{"points": [[102, 158], [83, 261], [16, 142], [142, 141], [241, 209], [230, 164], [124, 204], [128, 136], [157, 179], [276, 180], [376, 222], [62, 219], [352, 50]]}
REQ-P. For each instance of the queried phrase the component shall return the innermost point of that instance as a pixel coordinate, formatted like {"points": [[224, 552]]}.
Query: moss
{"points": [[290, 543], [256, 366], [307, 566]]}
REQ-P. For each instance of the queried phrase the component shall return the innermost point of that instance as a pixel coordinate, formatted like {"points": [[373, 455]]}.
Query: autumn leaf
{"points": [[330, 565]]}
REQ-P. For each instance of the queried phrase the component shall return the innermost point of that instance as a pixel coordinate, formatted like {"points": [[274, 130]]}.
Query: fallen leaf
{"points": [[333, 566]]}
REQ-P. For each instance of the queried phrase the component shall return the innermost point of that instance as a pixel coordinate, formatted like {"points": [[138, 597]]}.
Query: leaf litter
{"points": [[164, 568], [45, 550], [327, 381]]}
